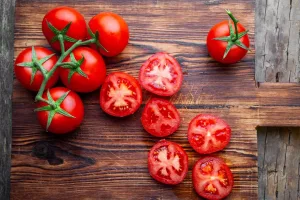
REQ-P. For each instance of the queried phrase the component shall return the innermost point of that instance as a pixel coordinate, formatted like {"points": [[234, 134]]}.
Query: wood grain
{"points": [[7, 8], [102, 160]]}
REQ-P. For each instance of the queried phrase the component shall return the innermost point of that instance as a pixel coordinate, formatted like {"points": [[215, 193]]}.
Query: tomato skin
{"points": [[93, 66], [72, 104], [163, 113], [211, 129], [153, 162], [158, 63], [113, 33], [202, 178], [23, 74], [217, 48], [59, 17], [116, 84]]}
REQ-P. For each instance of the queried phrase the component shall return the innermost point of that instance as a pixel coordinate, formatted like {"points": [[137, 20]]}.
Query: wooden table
{"points": [[265, 60]]}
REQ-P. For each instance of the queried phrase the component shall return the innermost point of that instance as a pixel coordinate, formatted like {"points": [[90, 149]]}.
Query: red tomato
{"points": [[208, 134], [87, 76], [31, 73], [161, 74], [160, 117], [212, 178], [113, 33], [72, 104], [60, 17], [168, 162], [120, 95], [216, 48]]}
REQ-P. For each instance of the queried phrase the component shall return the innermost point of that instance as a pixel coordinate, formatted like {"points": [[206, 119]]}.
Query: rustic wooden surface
{"points": [[278, 60], [7, 8], [101, 160]]}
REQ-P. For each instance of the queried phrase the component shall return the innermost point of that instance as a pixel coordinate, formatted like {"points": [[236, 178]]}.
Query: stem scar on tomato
{"points": [[234, 37]]}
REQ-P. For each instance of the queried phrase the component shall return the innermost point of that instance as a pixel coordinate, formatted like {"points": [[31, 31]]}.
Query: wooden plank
{"points": [[277, 41], [7, 8], [278, 148]]}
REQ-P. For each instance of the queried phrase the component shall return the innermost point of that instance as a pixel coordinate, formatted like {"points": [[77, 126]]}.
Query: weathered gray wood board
{"points": [[7, 8], [278, 60]]}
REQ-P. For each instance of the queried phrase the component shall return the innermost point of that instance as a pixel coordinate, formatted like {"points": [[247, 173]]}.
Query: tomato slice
{"points": [[208, 134], [120, 95], [160, 117], [212, 178], [168, 162], [161, 74]]}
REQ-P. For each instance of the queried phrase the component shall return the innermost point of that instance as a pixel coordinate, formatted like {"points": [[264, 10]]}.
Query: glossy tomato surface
{"points": [[120, 95], [208, 134], [212, 178], [160, 117], [72, 104], [168, 162], [161, 74], [216, 48], [60, 17], [23, 74], [92, 66], [113, 33]]}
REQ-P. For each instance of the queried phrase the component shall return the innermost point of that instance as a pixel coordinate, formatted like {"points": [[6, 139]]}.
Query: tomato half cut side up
{"points": [[120, 95], [160, 117], [161, 74], [168, 162], [212, 178], [208, 134]]}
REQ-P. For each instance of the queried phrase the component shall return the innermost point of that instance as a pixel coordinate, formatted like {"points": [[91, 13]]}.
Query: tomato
{"points": [[217, 48], [168, 162], [28, 73], [59, 18], [161, 74], [89, 72], [212, 178], [208, 134], [113, 33], [120, 95], [67, 110], [160, 117]]}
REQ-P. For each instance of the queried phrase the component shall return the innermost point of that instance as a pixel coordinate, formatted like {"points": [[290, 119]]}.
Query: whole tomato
{"points": [[113, 33], [59, 18], [88, 72], [28, 73], [225, 46], [64, 112]]}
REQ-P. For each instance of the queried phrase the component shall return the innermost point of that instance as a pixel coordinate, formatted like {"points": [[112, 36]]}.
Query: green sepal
{"points": [[62, 32], [96, 37]]}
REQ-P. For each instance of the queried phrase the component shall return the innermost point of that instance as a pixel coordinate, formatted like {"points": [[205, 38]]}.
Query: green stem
{"points": [[235, 21], [41, 68], [61, 42], [48, 75]]}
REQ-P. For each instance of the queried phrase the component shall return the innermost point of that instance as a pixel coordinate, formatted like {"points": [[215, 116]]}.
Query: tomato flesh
{"points": [[208, 134], [167, 162], [120, 95], [161, 74], [212, 178], [160, 117]]}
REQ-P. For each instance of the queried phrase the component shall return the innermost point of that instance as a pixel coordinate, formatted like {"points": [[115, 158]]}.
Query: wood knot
{"points": [[43, 150]]}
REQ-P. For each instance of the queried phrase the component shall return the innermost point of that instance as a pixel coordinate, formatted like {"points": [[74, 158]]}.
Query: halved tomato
{"points": [[168, 162], [160, 117], [208, 134], [212, 178], [161, 74], [120, 95]]}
